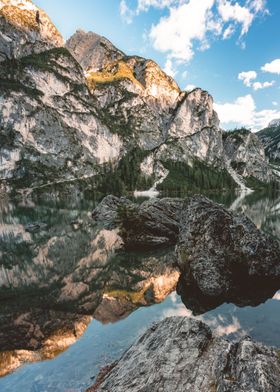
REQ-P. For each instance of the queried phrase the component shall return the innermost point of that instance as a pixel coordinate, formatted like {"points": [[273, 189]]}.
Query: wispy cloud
{"points": [[247, 77], [260, 86], [179, 37], [243, 112]]}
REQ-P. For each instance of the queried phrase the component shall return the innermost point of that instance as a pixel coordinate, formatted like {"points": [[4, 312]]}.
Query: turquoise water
{"points": [[60, 279]]}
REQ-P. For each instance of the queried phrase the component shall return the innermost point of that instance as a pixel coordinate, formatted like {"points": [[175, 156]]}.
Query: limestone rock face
{"points": [[223, 257], [194, 131], [245, 153], [21, 35], [181, 354], [137, 98], [66, 118], [92, 51], [49, 128], [270, 137]]}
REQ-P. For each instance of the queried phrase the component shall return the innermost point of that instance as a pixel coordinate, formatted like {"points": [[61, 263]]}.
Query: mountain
{"points": [[21, 35], [86, 110], [270, 137], [245, 153], [92, 51]]}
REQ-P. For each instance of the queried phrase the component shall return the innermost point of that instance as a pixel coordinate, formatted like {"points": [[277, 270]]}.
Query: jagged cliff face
{"points": [[246, 155], [49, 128], [270, 137], [136, 98], [194, 131], [92, 51], [64, 115], [21, 35]]}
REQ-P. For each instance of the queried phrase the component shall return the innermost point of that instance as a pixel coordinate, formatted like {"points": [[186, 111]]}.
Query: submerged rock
{"points": [[181, 354], [224, 257]]}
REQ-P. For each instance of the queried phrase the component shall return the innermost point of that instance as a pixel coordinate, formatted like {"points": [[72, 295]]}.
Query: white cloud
{"points": [[169, 69], [274, 103], [258, 6], [235, 12], [175, 33], [247, 77], [273, 67], [259, 85], [193, 24], [242, 112], [190, 87], [144, 5], [126, 13], [228, 31]]}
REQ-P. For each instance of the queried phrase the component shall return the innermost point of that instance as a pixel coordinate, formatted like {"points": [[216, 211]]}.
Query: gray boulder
{"points": [[181, 354], [153, 224], [224, 257]]}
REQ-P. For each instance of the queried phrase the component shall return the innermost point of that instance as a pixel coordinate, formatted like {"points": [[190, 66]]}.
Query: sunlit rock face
{"points": [[146, 107], [194, 131], [92, 51], [21, 34], [65, 116], [245, 153], [49, 129], [137, 99]]}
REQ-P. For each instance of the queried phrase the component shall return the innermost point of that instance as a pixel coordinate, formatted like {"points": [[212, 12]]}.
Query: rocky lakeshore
{"points": [[222, 257], [181, 354], [82, 120]]}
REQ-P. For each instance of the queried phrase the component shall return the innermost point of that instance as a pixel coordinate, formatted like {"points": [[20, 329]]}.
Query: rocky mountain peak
{"points": [[245, 154], [25, 29], [274, 123], [157, 83], [93, 51], [104, 63]]}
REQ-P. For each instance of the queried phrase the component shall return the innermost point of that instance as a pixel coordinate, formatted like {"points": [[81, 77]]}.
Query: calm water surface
{"points": [[70, 303]]}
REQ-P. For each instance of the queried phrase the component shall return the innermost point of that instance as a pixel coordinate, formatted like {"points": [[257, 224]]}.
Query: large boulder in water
{"points": [[224, 257], [181, 355]]}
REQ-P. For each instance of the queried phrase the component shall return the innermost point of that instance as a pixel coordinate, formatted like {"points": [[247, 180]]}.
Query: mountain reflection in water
{"points": [[62, 278]]}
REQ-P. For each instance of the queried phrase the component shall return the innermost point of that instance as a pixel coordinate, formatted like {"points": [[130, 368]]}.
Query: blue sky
{"points": [[229, 47]]}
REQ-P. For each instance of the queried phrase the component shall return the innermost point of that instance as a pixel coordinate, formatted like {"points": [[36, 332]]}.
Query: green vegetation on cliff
{"points": [[126, 176], [196, 177]]}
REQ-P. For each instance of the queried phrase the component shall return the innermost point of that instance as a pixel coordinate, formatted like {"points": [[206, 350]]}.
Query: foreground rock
{"points": [[154, 223], [224, 257], [191, 359]]}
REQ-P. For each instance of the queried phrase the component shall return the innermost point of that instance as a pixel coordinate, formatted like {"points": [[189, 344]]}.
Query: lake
{"points": [[71, 302]]}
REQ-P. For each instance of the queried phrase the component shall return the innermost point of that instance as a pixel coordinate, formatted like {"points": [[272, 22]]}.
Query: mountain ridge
{"points": [[95, 106]]}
